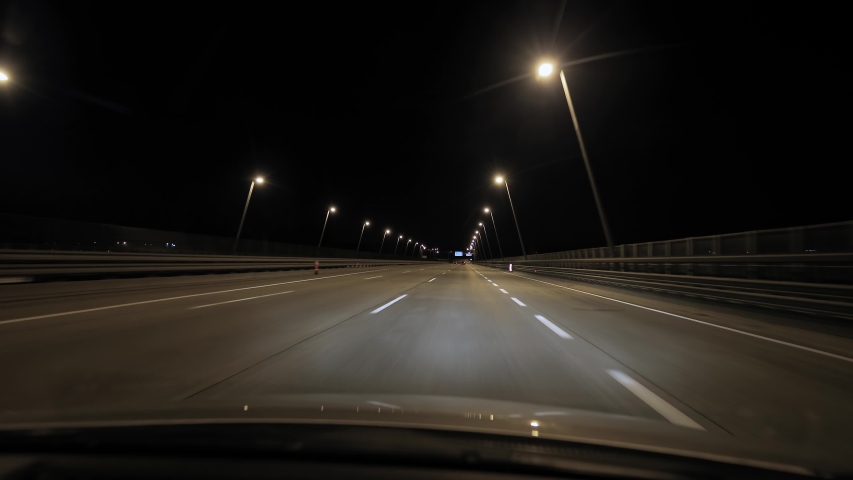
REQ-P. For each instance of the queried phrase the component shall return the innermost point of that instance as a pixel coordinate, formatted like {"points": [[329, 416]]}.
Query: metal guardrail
{"points": [[21, 266], [833, 300]]}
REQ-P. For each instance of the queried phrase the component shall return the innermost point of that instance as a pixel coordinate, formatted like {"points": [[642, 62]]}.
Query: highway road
{"points": [[432, 329]]}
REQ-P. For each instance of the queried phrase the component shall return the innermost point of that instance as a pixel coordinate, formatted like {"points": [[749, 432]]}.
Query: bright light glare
{"points": [[401, 236], [367, 223], [486, 210], [3, 77], [481, 224], [545, 69], [387, 231], [260, 179], [332, 209], [534, 423], [499, 179]]}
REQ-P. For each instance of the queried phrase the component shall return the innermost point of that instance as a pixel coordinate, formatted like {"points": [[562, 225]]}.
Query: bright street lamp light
{"points": [[366, 223], [397, 244], [496, 231], [383, 240], [4, 77], [331, 209], [245, 208], [501, 180], [601, 215], [545, 69]]}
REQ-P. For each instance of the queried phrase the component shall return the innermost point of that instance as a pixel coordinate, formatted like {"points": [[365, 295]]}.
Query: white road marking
{"points": [[495, 284], [559, 331], [431, 280], [518, 301], [380, 404], [371, 278], [660, 405], [407, 271], [240, 300], [392, 302], [503, 290], [780, 342], [108, 307]]}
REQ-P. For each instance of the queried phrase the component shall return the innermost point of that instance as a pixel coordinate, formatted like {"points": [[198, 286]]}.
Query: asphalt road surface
{"points": [[432, 329]]}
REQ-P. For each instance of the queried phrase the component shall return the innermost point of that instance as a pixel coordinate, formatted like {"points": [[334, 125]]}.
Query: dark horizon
{"points": [[722, 119]]}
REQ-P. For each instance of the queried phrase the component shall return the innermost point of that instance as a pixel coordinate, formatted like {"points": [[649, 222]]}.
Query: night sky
{"points": [[722, 117]]}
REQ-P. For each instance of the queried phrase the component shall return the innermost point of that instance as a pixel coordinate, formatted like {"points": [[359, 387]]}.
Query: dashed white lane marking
{"points": [[108, 307], [503, 290], [392, 302], [407, 271], [780, 342], [495, 284], [431, 280], [371, 278], [559, 331], [380, 404], [518, 301], [660, 405], [240, 300]]}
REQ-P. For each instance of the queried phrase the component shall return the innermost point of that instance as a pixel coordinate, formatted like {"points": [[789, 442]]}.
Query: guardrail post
{"points": [[667, 252], [316, 267], [689, 248]]}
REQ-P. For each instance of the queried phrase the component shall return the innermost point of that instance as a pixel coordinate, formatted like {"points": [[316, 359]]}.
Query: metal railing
{"points": [[17, 266]]}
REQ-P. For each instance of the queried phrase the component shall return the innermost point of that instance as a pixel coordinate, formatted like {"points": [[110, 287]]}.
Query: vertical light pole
{"points": [[397, 244], [331, 210], [480, 247], [414, 248], [496, 232], [407, 246], [383, 240], [362, 234], [499, 180], [257, 180], [545, 70], [488, 243]]}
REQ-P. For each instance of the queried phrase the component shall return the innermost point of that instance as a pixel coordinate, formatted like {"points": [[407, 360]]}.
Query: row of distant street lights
{"points": [[331, 210], [545, 70]]}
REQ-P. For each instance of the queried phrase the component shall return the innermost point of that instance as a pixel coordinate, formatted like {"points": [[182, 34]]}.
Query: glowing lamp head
{"points": [[387, 231], [259, 180], [332, 209], [366, 223], [486, 210], [499, 179], [545, 69], [3, 77]]}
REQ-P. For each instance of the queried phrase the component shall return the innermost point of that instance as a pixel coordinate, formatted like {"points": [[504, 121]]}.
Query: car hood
{"points": [[482, 416]]}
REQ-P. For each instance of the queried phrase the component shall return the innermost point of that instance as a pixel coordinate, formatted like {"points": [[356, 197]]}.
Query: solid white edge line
{"points": [[780, 342], [392, 302], [431, 280], [108, 307], [660, 405], [518, 301], [240, 300], [559, 331], [503, 290]]}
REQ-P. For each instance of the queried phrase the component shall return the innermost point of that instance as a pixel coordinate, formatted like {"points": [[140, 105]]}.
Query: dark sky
{"points": [[726, 117]]}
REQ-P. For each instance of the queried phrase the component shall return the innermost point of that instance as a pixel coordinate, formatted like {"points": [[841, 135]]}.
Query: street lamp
{"points": [[397, 244], [414, 249], [407, 246], [383, 240], [4, 77], [257, 180], [499, 180], [331, 210], [367, 223], [545, 70], [488, 244], [496, 231]]}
